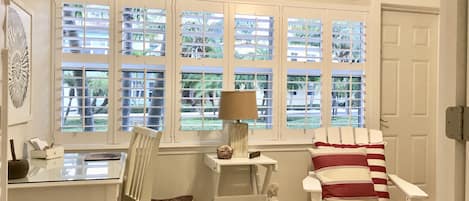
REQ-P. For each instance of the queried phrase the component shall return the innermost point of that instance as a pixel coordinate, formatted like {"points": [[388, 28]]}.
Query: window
{"points": [[84, 86], [142, 96], [144, 32], [260, 80], [254, 37], [202, 34], [163, 64], [348, 42], [348, 98], [304, 40], [84, 97], [201, 89], [85, 28], [303, 99]]}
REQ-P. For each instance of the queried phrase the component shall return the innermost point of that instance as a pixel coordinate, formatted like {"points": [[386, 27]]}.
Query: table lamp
{"points": [[236, 106]]}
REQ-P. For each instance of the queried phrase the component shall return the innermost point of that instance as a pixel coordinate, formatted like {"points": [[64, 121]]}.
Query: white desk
{"points": [[69, 178], [216, 165]]}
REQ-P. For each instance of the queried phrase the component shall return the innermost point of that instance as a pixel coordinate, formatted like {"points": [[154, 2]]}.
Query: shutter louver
{"points": [[348, 98], [348, 42], [142, 97], [260, 80], [304, 40], [254, 37], [200, 96], [143, 32], [202, 34], [303, 99], [85, 29]]}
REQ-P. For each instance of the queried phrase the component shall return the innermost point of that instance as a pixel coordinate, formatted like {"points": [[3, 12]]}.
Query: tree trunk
{"points": [[126, 83], [71, 93], [156, 109], [126, 101]]}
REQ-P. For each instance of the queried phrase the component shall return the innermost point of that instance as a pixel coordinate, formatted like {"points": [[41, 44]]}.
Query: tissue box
{"points": [[54, 152]]}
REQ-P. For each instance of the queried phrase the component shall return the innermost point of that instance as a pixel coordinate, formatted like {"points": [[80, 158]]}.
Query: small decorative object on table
{"points": [[224, 152], [17, 169], [255, 154], [42, 149]]}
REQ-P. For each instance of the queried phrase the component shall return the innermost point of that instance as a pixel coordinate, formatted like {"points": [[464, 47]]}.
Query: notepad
{"points": [[103, 156]]}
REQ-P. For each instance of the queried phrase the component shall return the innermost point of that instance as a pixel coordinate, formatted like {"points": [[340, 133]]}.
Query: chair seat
{"points": [[180, 198]]}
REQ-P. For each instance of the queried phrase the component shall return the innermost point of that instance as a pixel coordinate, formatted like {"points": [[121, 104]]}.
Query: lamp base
{"points": [[238, 139]]}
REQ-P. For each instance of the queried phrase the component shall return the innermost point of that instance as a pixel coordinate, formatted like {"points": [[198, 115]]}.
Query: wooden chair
{"points": [[140, 166], [348, 135]]}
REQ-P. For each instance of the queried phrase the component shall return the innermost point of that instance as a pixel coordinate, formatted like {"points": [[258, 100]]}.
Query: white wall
{"points": [[40, 126], [186, 174], [424, 3], [451, 92]]}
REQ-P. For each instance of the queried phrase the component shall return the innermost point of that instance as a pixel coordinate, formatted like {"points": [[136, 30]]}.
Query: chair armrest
{"points": [[410, 190], [311, 184]]}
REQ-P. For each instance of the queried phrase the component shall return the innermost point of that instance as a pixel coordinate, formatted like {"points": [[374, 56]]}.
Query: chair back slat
{"points": [[346, 133], [361, 136], [140, 165], [333, 135], [376, 136], [146, 160], [320, 135], [136, 166]]}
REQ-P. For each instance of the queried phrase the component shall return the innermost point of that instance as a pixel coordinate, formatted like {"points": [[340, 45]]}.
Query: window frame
{"points": [[120, 136], [204, 136], [80, 137], [274, 64], [306, 13], [173, 62]]}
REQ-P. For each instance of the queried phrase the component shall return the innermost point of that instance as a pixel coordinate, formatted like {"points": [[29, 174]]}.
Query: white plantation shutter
{"points": [[83, 48], [201, 34], [200, 95], [254, 37], [85, 28], [348, 42], [304, 40], [142, 91], [303, 99], [260, 80], [143, 31], [84, 95], [348, 98]]}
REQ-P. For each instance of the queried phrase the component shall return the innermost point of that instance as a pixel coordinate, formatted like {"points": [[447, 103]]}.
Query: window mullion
{"points": [[349, 109], [83, 97], [145, 96]]}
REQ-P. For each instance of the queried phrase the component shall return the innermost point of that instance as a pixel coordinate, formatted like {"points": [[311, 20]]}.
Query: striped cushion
{"points": [[344, 173], [376, 162]]}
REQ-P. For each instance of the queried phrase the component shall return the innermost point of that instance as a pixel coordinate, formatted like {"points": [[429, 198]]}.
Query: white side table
{"points": [[216, 165]]}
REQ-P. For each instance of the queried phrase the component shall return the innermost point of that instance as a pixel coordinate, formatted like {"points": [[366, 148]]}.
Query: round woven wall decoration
{"points": [[18, 59]]}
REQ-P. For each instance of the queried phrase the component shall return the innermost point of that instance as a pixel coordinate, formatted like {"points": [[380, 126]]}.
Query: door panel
{"points": [[408, 96]]}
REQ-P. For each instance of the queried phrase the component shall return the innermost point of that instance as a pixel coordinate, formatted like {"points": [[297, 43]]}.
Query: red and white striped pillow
{"points": [[344, 173], [376, 162]]}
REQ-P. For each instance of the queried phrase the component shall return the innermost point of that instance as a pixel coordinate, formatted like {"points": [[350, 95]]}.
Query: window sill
{"points": [[194, 148]]}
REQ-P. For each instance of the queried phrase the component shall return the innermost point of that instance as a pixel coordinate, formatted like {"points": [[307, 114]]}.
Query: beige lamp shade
{"points": [[238, 105]]}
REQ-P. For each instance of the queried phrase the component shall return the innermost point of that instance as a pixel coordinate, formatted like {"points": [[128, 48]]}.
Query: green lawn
{"points": [[195, 124]]}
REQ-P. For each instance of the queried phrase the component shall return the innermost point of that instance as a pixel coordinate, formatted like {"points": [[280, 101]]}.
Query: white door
{"points": [[408, 96]]}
